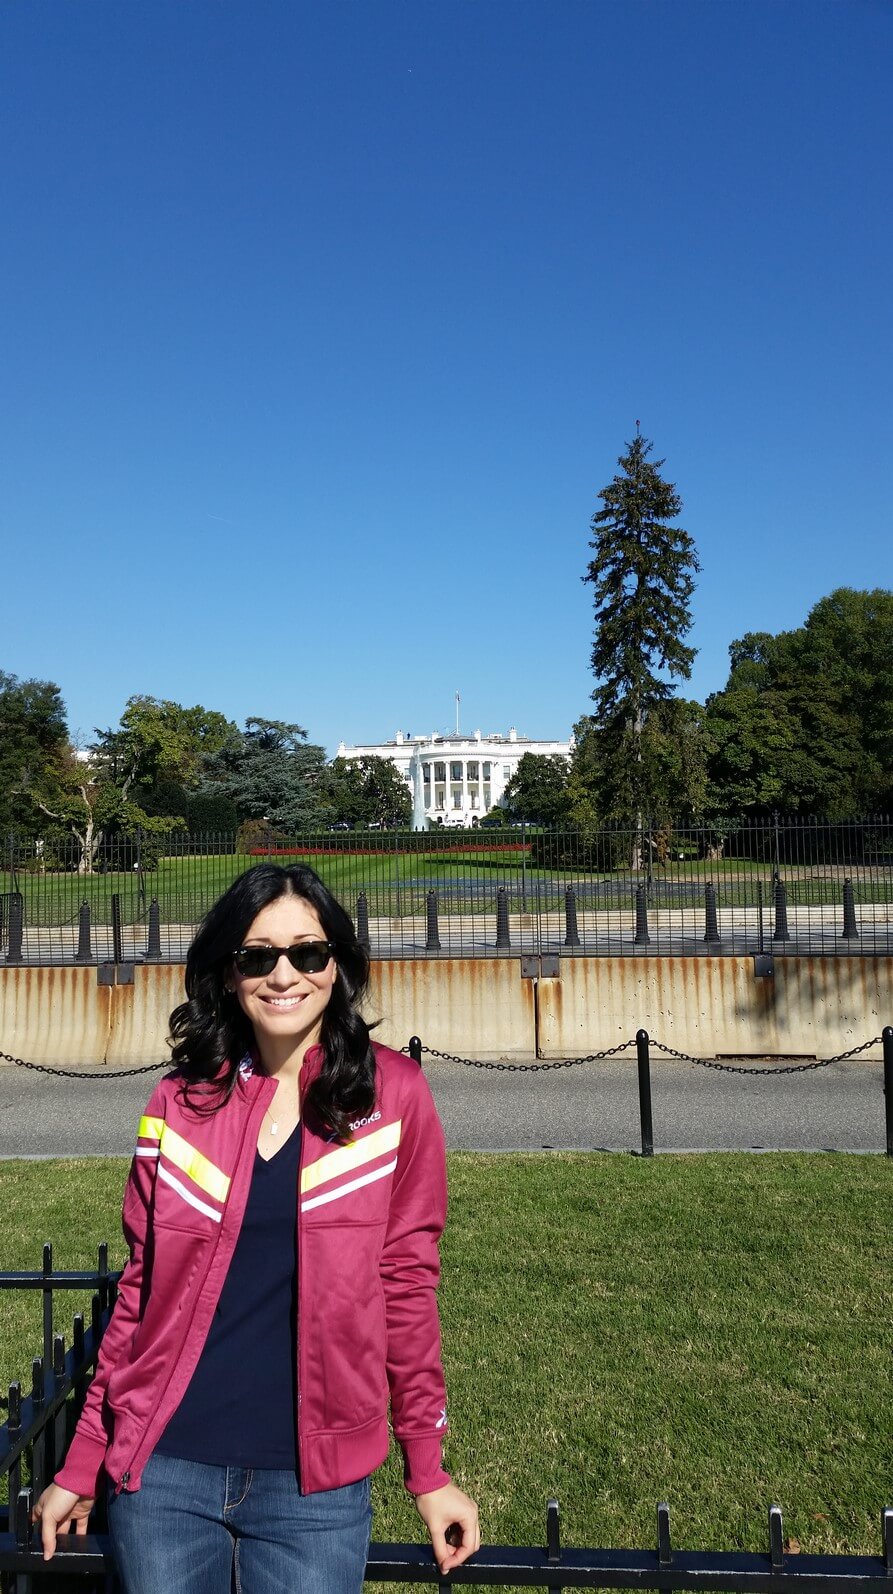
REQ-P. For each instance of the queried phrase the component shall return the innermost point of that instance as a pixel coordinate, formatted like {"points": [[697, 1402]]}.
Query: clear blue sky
{"points": [[324, 324]]}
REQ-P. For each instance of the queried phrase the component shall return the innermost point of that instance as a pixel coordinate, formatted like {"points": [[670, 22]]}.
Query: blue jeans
{"points": [[195, 1529]]}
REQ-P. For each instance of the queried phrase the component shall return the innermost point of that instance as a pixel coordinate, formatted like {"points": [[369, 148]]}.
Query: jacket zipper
{"points": [[300, 1248], [125, 1476]]}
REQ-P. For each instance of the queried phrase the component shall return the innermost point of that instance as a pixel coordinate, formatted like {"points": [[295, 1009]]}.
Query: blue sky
{"points": [[324, 324]]}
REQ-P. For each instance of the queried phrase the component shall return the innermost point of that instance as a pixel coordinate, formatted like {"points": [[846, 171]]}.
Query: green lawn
{"points": [[396, 883], [714, 1331]]}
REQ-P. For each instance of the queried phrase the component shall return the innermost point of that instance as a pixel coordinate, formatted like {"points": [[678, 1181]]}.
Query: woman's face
{"points": [[285, 1007]]}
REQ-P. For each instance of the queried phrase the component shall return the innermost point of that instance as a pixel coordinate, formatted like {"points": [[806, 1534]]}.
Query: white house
{"points": [[455, 779]]}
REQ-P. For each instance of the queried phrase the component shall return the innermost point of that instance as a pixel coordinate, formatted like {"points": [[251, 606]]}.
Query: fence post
{"points": [[553, 1543], [363, 921], [153, 938], [503, 939], [84, 953], [711, 922], [571, 932], [432, 940], [644, 1059], [642, 936], [415, 1049], [117, 943], [781, 932], [16, 927], [850, 927], [888, 1085]]}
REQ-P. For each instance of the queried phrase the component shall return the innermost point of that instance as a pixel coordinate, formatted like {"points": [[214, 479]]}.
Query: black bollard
{"points": [[432, 939], [84, 953], [571, 932], [711, 922], [781, 931], [503, 939], [642, 936], [850, 927], [643, 1056], [415, 1049], [888, 1085], [16, 923], [153, 939], [363, 921]]}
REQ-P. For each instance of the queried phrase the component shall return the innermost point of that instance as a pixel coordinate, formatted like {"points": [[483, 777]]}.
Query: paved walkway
{"points": [[589, 1107]]}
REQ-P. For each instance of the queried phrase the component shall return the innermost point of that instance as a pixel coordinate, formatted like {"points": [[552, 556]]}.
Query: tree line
{"points": [[167, 768]]}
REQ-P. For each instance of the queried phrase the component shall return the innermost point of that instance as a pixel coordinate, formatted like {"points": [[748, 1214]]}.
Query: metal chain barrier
{"points": [[737, 1068], [80, 1073], [499, 1068], [668, 1051], [526, 1068]]}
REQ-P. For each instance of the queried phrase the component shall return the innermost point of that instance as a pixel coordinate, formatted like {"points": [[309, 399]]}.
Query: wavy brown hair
{"points": [[210, 1034]]}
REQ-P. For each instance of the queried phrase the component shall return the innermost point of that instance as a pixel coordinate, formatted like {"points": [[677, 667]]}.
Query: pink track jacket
{"points": [[369, 1215]]}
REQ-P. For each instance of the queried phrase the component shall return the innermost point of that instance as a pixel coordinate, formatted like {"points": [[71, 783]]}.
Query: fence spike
{"points": [[23, 1519], [664, 1546], [553, 1533], [363, 920], [887, 1540], [14, 1408], [59, 1355], [37, 1380], [776, 1538]]}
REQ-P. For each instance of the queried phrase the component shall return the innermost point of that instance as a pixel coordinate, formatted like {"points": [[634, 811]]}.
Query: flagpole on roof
{"points": [[457, 713]]}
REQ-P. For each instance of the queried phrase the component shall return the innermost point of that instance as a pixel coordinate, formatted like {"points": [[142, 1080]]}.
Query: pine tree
{"points": [[643, 576]]}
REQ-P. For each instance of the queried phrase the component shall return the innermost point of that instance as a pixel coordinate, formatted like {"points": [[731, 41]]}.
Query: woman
{"points": [[241, 1396]]}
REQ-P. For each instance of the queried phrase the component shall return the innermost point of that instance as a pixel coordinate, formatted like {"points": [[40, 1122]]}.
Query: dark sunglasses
{"points": [[308, 957]]}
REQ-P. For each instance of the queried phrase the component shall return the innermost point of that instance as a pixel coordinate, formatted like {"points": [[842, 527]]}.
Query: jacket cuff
{"points": [[83, 1470], [423, 1468]]}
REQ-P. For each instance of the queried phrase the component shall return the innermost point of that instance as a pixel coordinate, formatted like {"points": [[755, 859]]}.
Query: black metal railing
{"points": [[797, 886], [39, 1427]]}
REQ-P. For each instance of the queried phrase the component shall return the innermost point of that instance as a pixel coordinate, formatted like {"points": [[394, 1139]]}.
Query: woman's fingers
{"points": [[452, 1522]]}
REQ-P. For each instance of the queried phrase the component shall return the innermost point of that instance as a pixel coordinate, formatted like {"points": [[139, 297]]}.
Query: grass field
{"points": [[714, 1331], [396, 883]]}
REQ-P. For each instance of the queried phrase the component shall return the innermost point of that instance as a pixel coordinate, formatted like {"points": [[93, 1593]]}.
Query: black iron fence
{"points": [[40, 1423], [796, 886]]}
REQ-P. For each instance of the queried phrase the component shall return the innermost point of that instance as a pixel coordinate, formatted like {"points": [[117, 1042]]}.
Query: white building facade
{"points": [[454, 779]]}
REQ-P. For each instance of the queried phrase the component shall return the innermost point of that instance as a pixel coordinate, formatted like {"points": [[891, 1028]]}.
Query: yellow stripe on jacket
{"points": [[199, 1168], [343, 1159]]}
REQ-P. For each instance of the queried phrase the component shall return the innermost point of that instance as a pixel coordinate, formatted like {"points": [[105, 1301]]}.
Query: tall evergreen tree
{"points": [[643, 578]]}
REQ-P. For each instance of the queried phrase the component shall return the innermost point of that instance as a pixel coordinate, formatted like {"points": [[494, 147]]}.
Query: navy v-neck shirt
{"points": [[240, 1406]]}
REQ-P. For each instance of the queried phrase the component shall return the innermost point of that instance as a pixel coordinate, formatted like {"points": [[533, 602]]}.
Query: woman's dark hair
{"points": [[210, 1034]]}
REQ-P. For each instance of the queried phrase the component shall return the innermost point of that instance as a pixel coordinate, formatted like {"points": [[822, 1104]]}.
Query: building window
{"points": [[486, 771], [440, 771], [456, 771], [473, 770]]}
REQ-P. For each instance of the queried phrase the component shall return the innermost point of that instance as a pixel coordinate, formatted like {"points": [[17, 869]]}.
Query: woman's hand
{"points": [[60, 1511], [447, 1508]]}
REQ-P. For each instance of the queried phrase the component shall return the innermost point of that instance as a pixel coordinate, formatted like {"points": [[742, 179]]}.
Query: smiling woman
{"points": [[243, 1443]]}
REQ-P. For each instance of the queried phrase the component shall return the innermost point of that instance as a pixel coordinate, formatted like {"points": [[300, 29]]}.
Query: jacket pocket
{"points": [[341, 1326]]}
